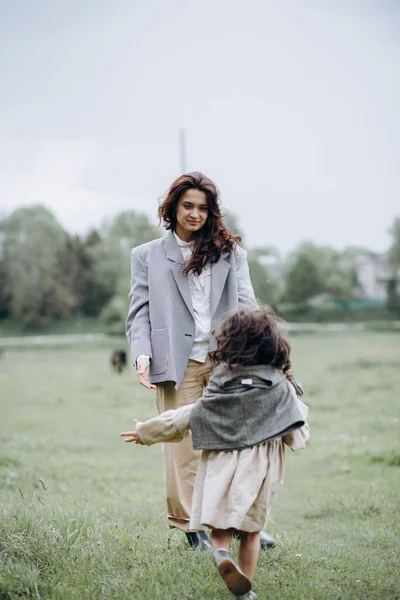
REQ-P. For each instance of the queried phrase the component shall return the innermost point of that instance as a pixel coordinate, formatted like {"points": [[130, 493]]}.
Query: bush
{"points": [[332, 314], [114, 314]]}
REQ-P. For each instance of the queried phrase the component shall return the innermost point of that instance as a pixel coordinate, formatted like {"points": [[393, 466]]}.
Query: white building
{"points": [[373, 274]]}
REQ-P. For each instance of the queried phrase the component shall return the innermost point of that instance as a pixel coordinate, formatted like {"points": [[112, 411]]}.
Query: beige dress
{"points": [[233, 489]]}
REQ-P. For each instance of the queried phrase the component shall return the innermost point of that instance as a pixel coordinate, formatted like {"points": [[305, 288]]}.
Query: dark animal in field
{"points": [[118, 360]]}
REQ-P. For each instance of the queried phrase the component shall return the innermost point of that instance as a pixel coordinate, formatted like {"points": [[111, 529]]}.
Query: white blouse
{"points": [[200, 291]]}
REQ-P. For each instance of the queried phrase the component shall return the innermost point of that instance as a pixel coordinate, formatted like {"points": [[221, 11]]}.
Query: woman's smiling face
{"points": [[191, 213]]}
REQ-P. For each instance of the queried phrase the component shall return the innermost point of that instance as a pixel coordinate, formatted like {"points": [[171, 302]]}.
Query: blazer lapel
{"points": [[219, 273], [174, 254]]}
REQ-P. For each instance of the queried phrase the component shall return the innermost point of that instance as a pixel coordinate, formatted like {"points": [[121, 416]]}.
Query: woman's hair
{"points": [[214, 237], [252, 338]]}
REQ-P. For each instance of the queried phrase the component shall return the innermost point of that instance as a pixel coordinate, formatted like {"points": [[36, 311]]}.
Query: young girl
{"points": [[246, 415]]}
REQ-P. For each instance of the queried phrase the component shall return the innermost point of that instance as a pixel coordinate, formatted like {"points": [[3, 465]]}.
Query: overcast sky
{"points": [[291, 107]]}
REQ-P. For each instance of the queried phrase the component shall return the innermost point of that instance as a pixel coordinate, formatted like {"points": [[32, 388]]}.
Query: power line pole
{"points": [[182, 150]]}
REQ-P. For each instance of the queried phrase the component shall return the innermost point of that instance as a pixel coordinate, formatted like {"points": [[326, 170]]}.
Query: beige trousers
{"points": [[180, 460]]}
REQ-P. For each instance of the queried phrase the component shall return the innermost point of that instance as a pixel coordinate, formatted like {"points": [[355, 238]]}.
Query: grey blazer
{"points": [[160, 321]]}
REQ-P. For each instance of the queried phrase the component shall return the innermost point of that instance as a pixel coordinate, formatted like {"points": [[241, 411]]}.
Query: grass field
{"points": [[82, 514], [72, 325]]}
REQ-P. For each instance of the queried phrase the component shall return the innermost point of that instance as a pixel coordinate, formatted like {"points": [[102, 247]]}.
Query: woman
{"points": [[182, 287]]}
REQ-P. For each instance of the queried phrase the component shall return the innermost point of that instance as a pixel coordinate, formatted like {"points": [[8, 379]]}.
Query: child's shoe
{"points": [[235, 579], [249, 596]]}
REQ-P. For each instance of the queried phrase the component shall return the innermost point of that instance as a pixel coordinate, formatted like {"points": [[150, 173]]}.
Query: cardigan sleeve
{"points": [[170, 426]]}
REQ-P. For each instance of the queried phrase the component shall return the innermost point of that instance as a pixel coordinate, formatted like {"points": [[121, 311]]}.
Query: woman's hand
{"points": [[142, 370], [132, 436]]}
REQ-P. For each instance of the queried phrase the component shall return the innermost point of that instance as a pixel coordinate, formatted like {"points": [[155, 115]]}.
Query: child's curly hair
{"points": [[252, 337]]}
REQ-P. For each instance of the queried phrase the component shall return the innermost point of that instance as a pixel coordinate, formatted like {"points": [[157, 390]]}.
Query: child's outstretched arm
{"points": [[132, 436], [170, 426]]}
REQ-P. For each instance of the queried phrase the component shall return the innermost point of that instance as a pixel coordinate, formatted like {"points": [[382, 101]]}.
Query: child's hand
{"points": [[132, 436]]}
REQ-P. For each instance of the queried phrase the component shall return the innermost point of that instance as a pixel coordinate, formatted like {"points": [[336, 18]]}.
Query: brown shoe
{"points": [[235, 580]]}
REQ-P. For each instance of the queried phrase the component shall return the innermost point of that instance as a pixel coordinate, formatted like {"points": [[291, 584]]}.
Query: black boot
{"points": [[266, 540], [198, 540]]}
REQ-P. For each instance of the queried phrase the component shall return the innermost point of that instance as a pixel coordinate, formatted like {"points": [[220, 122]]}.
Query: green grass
{"points": [[15, 327], [83, 517]]}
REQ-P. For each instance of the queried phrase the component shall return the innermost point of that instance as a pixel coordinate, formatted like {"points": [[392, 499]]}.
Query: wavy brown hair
{"points": [[252, 338], [214, 237]]}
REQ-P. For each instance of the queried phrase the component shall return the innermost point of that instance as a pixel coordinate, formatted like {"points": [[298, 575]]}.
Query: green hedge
{"points": [[334, 314]]}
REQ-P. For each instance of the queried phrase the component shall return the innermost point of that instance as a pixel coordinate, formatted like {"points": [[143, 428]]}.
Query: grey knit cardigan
{"points": [[244, 407]]}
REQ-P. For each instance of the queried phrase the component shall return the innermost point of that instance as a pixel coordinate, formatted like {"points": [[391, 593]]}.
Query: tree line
{"points": [[47, 273]]}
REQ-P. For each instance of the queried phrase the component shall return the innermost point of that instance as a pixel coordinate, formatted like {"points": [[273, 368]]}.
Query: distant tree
{"points": [[111, 262], [312, 270], [267, 287], [394, 251], [4, 292], [393, 292], [71, 267], [94, 292], [130, 229], [112, 255], [303, 279], [76, 270], [45, 272], [32, 241], [231, 221], [114, 313], [341, 283], [393, 297]]}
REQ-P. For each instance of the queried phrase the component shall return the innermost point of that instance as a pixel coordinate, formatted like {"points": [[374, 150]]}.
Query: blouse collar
{"points": [[181, 243]]}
